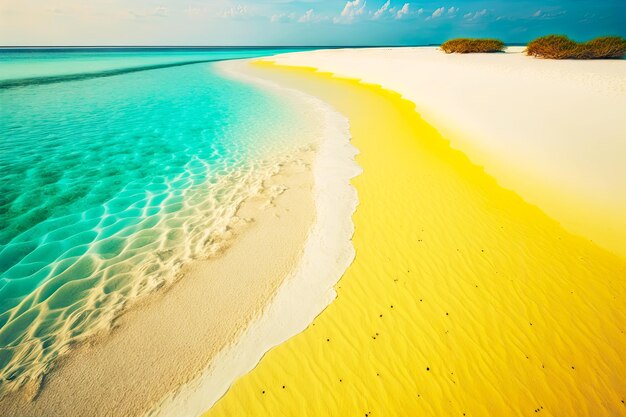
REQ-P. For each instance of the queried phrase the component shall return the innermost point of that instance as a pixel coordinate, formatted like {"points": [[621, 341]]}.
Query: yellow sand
{"points": [[462, 300], [551, 130]]}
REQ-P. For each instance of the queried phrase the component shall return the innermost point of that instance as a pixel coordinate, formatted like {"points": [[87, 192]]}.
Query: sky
{"points": [[300, 22]]}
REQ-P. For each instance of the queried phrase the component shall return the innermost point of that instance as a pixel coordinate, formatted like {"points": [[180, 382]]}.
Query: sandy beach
{"points": [[287, 237], [452, 245], [312, 208], [552, 131], [147, 356], [466, 297]]}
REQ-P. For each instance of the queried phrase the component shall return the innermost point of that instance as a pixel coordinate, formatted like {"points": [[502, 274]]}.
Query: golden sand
{"points": [[462, 300], [551, 130]]}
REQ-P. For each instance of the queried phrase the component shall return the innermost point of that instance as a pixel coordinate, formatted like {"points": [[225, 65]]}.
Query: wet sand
{"points": [[170, 337]]}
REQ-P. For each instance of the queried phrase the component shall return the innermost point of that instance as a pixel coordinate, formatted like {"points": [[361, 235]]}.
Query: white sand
{"points": [[553, 131], [171, 336], [177, 351], [327, 253]]}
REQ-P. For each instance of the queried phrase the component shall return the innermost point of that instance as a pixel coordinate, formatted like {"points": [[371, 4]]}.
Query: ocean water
{"points": [[116, 168]]}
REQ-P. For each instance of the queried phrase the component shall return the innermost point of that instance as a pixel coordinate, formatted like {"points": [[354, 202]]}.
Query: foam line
{"points": [[327, 253]]}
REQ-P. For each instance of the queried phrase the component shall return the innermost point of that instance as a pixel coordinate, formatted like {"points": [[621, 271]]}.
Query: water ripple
{"points": [[109, 185]]}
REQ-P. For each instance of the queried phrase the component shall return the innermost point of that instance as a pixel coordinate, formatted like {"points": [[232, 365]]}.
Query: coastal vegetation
{"points": [[562, 47], [469, 45]]}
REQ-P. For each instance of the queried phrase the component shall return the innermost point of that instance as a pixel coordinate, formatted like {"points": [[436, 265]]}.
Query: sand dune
{"points": [[553, 131], [463, 299]]}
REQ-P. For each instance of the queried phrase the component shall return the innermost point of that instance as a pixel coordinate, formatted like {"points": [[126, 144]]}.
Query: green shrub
{"points": [[562, 47], [465, 46]]}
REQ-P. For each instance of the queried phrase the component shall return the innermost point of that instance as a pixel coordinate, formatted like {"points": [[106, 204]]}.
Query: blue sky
{"points": [[300, 22]]}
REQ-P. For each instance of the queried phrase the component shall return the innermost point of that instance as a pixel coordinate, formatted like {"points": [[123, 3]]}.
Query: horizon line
{"points": [[233, 46]]}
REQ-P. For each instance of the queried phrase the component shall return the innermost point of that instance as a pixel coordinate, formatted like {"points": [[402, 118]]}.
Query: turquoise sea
{"points": [[117, 166]]}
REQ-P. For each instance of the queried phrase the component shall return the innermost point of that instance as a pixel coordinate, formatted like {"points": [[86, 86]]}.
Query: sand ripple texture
{"points": [[108, 186], [463, 300]]}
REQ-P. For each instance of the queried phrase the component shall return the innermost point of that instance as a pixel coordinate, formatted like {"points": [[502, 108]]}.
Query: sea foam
{"points": [[109, 185], [327, 253]]}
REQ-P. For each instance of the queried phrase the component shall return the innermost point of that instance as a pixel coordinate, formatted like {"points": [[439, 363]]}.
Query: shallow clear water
{"points": [[109, 184], [39, 65]]}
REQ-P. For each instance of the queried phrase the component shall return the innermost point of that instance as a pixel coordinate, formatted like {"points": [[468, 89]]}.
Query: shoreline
{"points": [[327, 253], [549, 130], [169, 338], [483, 304], [160, 342]]}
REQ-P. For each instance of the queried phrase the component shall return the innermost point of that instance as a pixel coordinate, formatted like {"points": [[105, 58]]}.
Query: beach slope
{"points": [[463, 299], [550, 130]]}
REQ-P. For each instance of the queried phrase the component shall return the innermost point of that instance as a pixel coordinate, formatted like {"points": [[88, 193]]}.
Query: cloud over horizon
{"points": [[352, 9], [240, 22]]}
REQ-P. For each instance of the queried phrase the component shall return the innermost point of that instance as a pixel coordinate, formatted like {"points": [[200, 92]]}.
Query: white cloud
{"points": [[475, 15], [442, 10], [194, 11], [283, 17], [438, 12], [403, 11], [350, 11], [420, 11], [161, 11], [547, 15], [382, 10], [310, 17], [236, 11]]}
